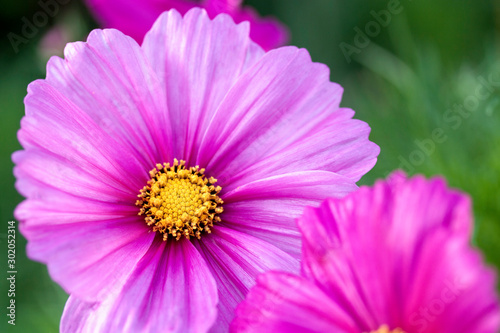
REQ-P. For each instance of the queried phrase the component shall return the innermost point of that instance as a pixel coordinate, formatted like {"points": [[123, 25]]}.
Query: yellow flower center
{"points": [[180, 202], [385, 329]]}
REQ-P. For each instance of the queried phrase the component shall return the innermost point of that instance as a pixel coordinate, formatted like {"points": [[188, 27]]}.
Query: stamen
{"points": [[180, 202]]}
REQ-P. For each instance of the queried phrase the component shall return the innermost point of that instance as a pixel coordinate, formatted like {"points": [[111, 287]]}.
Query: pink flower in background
{"points": [[162, 179], [392, 258], [135, 18]]}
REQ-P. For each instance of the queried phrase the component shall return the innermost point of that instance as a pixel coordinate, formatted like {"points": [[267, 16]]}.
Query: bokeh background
{"points": [[428, 83]]}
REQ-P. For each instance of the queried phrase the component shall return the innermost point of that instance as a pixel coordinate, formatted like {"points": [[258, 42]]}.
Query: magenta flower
{"points": [[135, 18], [161, 179], [392, 258]]}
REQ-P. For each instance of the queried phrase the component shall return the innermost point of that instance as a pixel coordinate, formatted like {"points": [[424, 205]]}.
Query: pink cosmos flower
{"points": [[161, 179], [392, 258], [135, 18]]}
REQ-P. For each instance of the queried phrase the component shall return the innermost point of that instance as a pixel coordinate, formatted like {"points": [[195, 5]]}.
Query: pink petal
{"points": [[83, 229], [66, 145], [268, 32], [88, 258], [428, 204], [79, 316], [50, 206], [386, 253], [130, 106], [267, 208], [198, 61], [282, 302], [339, 144], [56, 129], [450, 289], [330, 261], [283, 99], [227, 6], [135, 18], [37, 170], [235, 259], [171, 290], [132, 17]]}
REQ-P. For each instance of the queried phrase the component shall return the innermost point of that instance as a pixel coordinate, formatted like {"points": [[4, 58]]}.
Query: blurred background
{"points": [[426, 78]]}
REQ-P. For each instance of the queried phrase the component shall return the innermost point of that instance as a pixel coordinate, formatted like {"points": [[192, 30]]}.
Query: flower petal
{"points": [[54, 207], [280, 102], [131, 106], [135, 18], [59, 132], [387, 253], [425, 205], [235, 259], [38, 170], [88, 258], [450, 289], [78, 315], [131, 17], [283, 302], [171, 290], [267, 208], [268, 32], [198, 60], [339, 144]]}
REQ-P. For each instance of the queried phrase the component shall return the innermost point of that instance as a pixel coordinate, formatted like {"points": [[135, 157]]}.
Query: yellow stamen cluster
{"points": [[385, 329], [180, 202]]}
